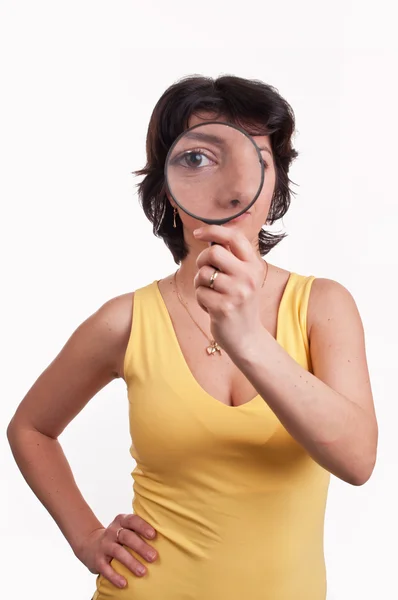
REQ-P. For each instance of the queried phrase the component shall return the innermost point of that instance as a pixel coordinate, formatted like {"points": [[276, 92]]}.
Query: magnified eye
{"points": [[193, 159]]}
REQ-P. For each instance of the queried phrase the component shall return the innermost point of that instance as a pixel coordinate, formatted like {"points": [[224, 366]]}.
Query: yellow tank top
{"points": [[237, 503]]}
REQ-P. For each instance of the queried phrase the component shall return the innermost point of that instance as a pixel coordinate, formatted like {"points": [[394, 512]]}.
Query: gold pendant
{"points": [[214, 347]]}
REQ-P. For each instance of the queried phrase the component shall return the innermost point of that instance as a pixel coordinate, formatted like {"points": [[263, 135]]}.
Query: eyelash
{"points": [[186, 153], [201, 151]]}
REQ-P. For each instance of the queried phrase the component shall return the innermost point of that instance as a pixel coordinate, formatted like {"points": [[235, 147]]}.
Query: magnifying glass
{"points": [[214, 172]]}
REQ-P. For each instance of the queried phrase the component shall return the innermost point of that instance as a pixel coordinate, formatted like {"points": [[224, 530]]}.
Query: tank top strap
{"points": [[292, 320], [148, 347]]}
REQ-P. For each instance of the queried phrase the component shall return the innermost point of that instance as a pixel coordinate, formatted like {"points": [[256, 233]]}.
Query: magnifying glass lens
{"points": [[214, 172]]}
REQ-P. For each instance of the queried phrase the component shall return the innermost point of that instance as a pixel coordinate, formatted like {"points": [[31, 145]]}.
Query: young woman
{"points": [[234, 448]]}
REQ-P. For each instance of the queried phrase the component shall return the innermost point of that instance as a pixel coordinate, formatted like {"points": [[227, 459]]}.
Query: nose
{"points": [[227, 202], [232, 197], [235, 183]]}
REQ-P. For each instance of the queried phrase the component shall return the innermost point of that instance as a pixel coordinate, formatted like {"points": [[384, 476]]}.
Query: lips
{"points": [[240, 218]]}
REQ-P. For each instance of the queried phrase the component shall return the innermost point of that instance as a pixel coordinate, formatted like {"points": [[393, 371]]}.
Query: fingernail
{"points": [[141, 570], [150, 534], [122, 583], [197, 232], [151, 555]]}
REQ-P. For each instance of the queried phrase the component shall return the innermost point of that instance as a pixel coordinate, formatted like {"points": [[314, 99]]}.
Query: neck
{"points": [[186, 274]]}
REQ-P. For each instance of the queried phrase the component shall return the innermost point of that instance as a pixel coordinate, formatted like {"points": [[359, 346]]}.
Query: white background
{"points": [[79, 80]]}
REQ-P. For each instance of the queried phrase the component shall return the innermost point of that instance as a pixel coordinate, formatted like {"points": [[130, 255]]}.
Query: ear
{"points": [[170, 199]]}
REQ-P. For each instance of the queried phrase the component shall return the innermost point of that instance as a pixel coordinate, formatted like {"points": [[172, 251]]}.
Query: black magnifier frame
{"points": [[260, 159]]}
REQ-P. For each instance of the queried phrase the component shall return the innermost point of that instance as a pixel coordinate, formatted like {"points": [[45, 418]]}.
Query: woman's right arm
{"points": [[90, 359]]}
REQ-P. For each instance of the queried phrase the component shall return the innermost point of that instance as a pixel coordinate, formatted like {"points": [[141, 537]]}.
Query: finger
{"points": [[210, 301], [128, 560], [137, 524], [133, 541], [222, 282], [111, 575], [238, 243], [220, 258]]}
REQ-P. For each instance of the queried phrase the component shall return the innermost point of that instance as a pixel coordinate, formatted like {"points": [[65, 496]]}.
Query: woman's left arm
{"points": [[330, 412]]}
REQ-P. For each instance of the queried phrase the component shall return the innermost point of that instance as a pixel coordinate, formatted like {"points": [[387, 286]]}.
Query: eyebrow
{"points": [[209, 137], [265, 149], [205, 137]]}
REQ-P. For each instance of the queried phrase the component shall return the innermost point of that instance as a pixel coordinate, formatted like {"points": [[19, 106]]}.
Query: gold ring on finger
{"points": [[212, 279]]}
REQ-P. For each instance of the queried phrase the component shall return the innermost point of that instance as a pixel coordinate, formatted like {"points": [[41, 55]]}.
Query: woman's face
{"points": [[251, 222]]}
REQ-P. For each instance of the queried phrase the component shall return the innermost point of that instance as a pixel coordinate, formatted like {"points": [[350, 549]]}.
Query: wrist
{"points": [[249, 349], [79, 541]]}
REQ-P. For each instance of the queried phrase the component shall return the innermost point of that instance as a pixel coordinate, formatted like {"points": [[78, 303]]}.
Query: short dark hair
{"points": [[245, 102]]}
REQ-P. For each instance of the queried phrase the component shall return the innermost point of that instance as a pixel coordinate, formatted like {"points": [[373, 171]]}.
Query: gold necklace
{"points": [[214, 347]]}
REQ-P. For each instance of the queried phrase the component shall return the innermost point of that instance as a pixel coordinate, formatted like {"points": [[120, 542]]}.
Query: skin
{"points": [[330, 412]]}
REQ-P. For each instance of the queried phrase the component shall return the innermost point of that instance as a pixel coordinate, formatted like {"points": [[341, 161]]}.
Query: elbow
{"points": [[361, 475], [359, 479], [10, 431], [366, 462], [14, 430]]}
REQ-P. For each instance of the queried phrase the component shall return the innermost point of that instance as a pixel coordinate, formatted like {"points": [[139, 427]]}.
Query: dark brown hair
{"points": [[245, 102]]}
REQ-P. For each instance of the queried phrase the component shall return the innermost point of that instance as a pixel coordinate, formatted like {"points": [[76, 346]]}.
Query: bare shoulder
{"points": [[90, 359], [337, 343], [108, 330], [115, 319], [330, 303]]}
